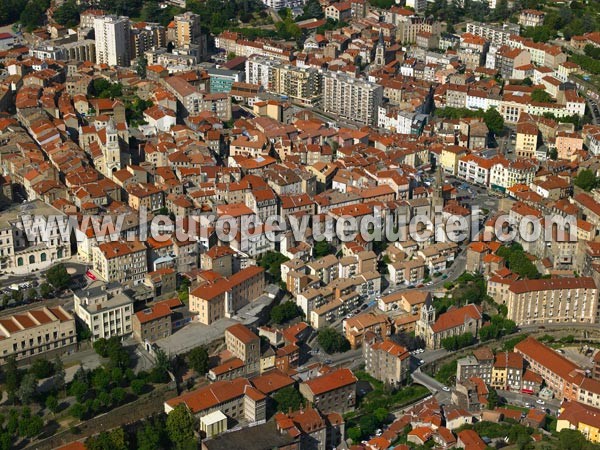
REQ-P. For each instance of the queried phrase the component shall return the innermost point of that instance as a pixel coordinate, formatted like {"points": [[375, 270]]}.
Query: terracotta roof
{"points": [[546, 357], [522, 286], [210, 396], [242, 333], [271, 381], [456, 317], [331, 381]]}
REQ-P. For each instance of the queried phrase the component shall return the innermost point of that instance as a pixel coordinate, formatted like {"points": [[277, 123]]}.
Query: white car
{"points": [[445, 389], [539, 401], [421, 362]]}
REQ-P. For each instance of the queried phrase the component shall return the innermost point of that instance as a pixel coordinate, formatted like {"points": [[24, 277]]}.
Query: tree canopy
{"points": [[288, 398], [332, 341], [67, 14], [518, 261], [586, 180], [180, 428], [494, 120], [285, 312], [199, 360], [540, 95], [58, 276]]}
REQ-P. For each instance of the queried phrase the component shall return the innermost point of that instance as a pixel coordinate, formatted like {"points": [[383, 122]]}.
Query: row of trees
{"points": [[453, 343], [492, 118], [498, 327], [160, 431]]}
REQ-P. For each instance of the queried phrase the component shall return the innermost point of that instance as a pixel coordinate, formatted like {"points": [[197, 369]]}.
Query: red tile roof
{"points": [[456, 317], [331, 381]]}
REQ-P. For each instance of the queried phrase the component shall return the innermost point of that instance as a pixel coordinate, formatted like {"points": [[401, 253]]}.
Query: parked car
{"points": [[539, 401], [445, 389]]}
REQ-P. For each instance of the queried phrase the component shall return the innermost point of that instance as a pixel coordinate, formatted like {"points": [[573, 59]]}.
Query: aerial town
{"points": [[300, 224]]}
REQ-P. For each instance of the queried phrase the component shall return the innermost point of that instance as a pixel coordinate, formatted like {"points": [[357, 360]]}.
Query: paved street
{"points": [[519, 399], [434, 386]]}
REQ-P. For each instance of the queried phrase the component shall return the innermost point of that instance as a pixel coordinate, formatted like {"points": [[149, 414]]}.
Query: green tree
{"points": [[152, 435], [493, 399], [141, 66], [586, 180], [271, 262], [199, 360], [287, 398], [30, 425], [540, 95], [42, 368], [137, 386], [553, 153], [355, 434], [51, 403], [108, 440], [27, 389], [59, 374], [180, 426], [79, 389], [117, 395], [67, 14], [78, 411], [34, 14], [285, 312], [323, 248], [58, 277], [12, 377], [45, 290], [332, 341], [494, 120]]}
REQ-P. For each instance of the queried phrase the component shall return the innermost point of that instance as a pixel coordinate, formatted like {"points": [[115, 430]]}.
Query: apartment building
{"points": [[333, 392], [155, 321], [237, 399], [39, 332], [191, 101], [558, 372], [552, 300], [317, 431], [351, 98], [123, 262], [531, 18], [357, 327], [301, 84], [407, 272], [224, 296], [188, 29], [105, 309], [386, 360], [507, 371], [113, 40], [29, 241], [146, 36], [580, 417], [496, 34], [478, 365], [245, 345], [505, 174], [145, 195], [527, 140]]}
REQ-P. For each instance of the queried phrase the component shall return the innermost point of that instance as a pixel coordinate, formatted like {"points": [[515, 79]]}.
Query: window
{"points": [[19, 261], [43, 257], [31, 259]]}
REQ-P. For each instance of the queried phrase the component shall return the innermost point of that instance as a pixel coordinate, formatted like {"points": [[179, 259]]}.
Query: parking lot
{"points": [[193, 335]]}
